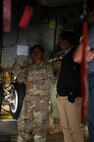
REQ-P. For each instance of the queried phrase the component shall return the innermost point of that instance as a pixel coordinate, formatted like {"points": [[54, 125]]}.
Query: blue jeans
{"points": [[91, 107]]}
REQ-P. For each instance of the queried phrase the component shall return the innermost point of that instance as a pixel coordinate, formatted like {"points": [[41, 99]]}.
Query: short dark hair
{"points": [[31, 49], [68, 35]]}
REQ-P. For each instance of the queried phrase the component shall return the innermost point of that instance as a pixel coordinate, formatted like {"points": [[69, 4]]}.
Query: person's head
{"points": [[66, 39], [37, 53]]}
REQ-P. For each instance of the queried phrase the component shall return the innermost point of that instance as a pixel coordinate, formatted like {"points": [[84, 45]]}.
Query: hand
{"points": [[15, 65], [71, 97], [90, 55]]}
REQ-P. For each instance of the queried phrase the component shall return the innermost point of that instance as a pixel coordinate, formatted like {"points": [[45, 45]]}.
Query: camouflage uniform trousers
{"points": [[34, 116]]}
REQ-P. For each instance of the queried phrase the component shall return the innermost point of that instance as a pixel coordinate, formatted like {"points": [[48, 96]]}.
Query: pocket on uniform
{"points": [[43, 84]]}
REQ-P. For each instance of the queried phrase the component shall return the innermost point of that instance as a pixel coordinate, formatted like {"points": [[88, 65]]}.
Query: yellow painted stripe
{"points": [[5, 116]]}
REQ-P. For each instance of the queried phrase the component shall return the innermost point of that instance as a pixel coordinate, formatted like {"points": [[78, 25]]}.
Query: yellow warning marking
{"points": [[5, 116]]}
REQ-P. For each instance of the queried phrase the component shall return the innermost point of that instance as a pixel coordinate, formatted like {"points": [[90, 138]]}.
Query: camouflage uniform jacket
{"points": [[40, 76]]}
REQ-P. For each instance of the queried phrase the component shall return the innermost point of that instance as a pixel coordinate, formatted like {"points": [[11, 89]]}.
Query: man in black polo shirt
{"points": [[69, 91]]}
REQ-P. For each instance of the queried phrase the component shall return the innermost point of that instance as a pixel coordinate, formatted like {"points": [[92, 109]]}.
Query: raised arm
{"points": [[77, 57]]}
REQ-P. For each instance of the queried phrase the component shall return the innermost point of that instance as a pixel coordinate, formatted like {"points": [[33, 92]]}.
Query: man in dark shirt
{"points": [[90, 60], [69, 91]]}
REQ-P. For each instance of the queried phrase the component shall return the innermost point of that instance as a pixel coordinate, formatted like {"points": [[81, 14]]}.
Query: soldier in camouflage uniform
{"points": [[35, 111]]}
